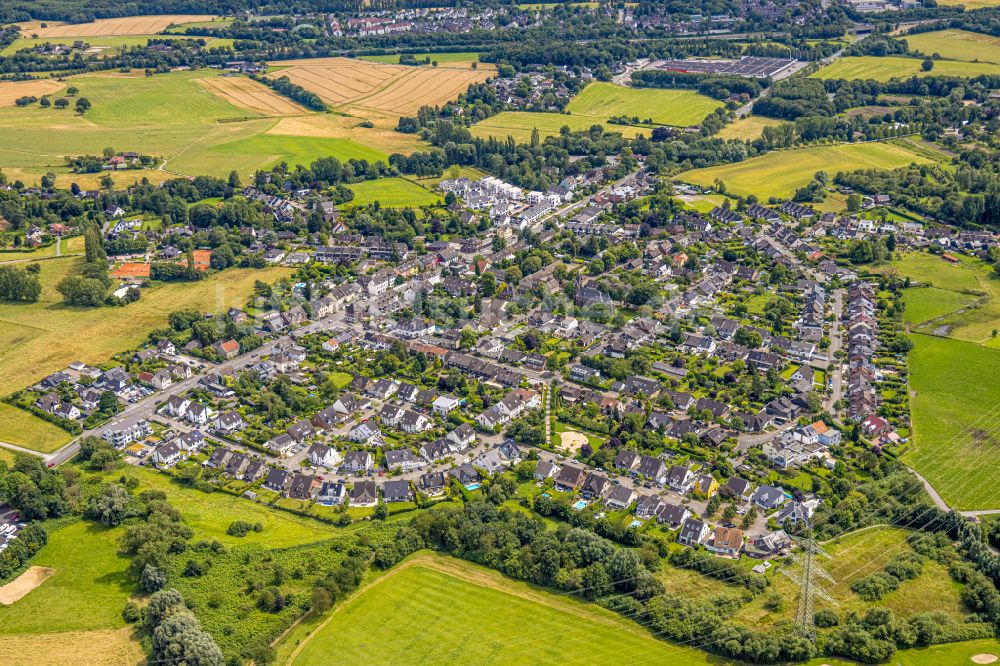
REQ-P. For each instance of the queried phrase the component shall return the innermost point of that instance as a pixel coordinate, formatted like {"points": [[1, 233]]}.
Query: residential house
{"points": [[693, 532], [726, 541]]}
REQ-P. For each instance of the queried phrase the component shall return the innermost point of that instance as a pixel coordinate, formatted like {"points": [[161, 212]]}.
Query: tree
{"points": [[152, 579], [488, 283], [82, 105], [45, 102], [19, 284], [180, 640], [927, 65], [381, 511], [161, 605], [853, 202], [111, 506], [72, 91], [107, 182]]}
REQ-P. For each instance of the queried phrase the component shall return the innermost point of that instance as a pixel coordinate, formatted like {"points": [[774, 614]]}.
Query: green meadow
{"points": [[432, 609], [392, 193], [957, 45], [519, 124], [956, 427], [105, 43], [893, 67], [665, 107], [780, 173], [442, 58]]}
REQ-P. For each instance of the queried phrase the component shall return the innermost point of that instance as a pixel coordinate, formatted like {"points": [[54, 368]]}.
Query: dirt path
{"points": [[26, 582]]}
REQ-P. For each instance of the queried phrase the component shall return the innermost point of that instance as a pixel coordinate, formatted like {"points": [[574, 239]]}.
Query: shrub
{"points": [[240, 528]]}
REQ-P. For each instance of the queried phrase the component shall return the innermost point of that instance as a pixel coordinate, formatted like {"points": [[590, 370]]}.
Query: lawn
{"points": [[891, 67], [957, 45], [519, 124], [210, 514], [98, 333], [748, 128], [341, 379], [440, 608], [780, 173], [665, 107], [956, 428], [392, 193]]}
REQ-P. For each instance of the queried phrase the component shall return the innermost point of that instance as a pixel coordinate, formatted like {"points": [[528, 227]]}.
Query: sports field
{"points": [[198, 132], [779, 174], [41, 345], [957, 45], [127, 25], [519, 124], [362, 87], [601, 101], [440, 607], [392, 193], [955, 407], [889, 67], [748, 128]]}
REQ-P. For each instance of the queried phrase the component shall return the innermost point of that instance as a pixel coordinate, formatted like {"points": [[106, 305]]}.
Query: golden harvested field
{"points": [[103, 647], [128, 25], [11, 90], [247, 94], [394, 90], [748, 128]]}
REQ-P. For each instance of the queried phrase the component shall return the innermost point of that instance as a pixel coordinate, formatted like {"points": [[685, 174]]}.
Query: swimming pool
{"points": [[580, 504], [473, 486]]}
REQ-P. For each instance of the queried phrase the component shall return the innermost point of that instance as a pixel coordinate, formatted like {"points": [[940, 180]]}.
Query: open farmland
{"points": [[779, 174], [440, 607], [127, 25], [889, 67], [519, 124], [248, 94], [10, 91], [197, 133], [367, 87], [665, 107], [957, 45]]}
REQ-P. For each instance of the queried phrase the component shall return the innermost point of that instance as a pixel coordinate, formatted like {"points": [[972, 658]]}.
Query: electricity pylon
{"points": [[809, 577]]}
